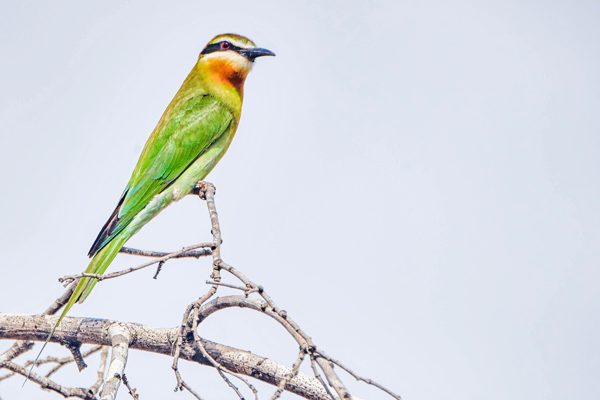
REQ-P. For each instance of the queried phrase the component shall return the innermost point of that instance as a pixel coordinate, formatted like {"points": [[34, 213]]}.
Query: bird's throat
{"points": [[223, 72]]}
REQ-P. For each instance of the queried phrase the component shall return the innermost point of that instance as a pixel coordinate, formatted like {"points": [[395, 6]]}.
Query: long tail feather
{"points": [[97, 266]]}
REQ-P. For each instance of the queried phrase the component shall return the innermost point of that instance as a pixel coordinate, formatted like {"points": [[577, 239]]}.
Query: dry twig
{"points": [[185, 342], [101, 369], [159, 341], [202, 252], [61, 362], [46, 383], [132, 391], [120, 337], [68, 279]]}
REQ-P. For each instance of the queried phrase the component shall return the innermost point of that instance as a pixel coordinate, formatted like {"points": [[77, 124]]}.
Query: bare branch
{"points": [[119, 338], [207, 191], [68, 279], [14, 351], [158, 269], [46, 383], [293, 373], [75, 349], [204, 251], [101, 369], [221, 369], [61, 362], [184, 342], [160, 341], [229, 285], [21, 347], [132, 391], [368, 381], [315, 369], [333, 379]]}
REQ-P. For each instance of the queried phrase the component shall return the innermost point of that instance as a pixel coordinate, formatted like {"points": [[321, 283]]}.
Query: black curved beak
{"points": [[252, 54]]}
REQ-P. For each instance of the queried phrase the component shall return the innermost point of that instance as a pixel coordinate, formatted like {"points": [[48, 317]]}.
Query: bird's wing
{"points": [[181, 136]]}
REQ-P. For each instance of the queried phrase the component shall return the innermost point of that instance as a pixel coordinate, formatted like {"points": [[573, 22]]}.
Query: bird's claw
{"points": [[201, 187]]}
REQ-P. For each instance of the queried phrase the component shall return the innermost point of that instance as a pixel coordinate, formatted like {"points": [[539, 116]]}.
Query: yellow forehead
{"points": [[237, 40]]}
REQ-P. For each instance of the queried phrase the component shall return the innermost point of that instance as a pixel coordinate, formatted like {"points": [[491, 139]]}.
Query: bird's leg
{"points": [[201, 187]]}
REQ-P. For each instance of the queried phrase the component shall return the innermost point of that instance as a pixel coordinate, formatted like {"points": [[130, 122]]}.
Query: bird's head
{"points": [[228, 58]]}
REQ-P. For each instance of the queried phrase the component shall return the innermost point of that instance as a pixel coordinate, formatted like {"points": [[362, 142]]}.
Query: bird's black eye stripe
{"points": [[219, 47], [211, 48]]}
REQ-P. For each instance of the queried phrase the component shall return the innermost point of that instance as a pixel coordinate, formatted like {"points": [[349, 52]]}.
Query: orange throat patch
{"points": [[227, 73]]}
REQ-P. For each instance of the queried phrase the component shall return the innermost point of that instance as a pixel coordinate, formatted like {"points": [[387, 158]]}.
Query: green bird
{"points": [[190, 138]]}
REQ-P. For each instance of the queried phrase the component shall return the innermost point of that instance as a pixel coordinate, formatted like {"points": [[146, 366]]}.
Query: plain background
{"points": [[416, 183]]}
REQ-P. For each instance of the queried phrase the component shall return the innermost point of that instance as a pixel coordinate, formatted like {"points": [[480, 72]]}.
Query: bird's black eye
{"points": [[225, 45]]}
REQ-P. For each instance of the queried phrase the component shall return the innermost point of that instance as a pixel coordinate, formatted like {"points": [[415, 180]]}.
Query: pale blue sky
{"points": [[417, 184]]}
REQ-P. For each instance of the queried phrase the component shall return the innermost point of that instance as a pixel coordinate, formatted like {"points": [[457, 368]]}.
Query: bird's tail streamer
{"points": [[97, 266]]}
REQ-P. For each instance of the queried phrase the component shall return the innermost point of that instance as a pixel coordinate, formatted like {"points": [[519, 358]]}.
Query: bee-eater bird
{"points": [[190, 138]]}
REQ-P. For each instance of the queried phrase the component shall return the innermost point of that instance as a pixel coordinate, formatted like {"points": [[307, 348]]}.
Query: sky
{"points": [[416, 183]]}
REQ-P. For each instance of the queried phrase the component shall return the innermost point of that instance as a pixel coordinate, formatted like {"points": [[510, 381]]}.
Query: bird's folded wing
{"points": [[182, 135]]}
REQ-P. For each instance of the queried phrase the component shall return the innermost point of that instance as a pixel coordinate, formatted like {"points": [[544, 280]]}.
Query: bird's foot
{"points": [[201, 187]]}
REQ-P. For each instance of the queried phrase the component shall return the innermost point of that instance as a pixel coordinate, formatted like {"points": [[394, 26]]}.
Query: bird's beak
{"points": [[256, 52]]}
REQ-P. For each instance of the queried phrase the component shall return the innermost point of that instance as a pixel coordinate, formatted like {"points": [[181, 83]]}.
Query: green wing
{"points": [[184, 132]]}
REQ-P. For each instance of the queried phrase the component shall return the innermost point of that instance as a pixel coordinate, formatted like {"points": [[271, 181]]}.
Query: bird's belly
{"points": [[196, 172]]}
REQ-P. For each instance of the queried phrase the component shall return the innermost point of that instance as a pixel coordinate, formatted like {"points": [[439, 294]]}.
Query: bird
{"points": [[190, 138]]}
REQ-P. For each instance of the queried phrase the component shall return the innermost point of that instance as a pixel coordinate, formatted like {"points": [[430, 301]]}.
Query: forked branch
{"points": [[183, 342]]}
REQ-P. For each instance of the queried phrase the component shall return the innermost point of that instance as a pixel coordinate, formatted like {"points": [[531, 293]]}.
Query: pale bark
{"points": [[160, 341]]}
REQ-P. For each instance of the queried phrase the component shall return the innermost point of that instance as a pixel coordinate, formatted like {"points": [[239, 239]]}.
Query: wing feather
{"points": [[178, 140]]}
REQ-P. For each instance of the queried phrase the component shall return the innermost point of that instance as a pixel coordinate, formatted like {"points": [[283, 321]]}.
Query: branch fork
{"points": [[183, 342]]}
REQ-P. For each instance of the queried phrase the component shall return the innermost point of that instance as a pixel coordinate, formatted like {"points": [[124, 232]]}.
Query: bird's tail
{"points": [[97, 266]]}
